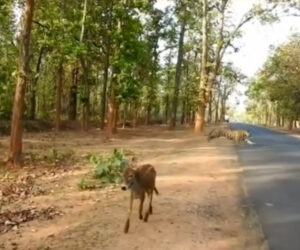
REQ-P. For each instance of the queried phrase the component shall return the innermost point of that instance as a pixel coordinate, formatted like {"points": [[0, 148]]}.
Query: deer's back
{"points": [[146, 176]]}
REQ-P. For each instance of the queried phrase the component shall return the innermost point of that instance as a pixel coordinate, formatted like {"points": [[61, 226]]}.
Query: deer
{"points": [[140, 181]]}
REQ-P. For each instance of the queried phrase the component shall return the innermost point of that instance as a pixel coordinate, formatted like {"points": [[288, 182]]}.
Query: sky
{"points": [[254, 44]]}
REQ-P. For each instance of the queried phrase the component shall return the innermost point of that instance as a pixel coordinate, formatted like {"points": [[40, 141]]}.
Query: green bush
{"points": [[109, 169]]}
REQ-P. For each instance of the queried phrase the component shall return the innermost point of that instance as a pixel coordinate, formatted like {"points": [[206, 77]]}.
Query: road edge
{"points": [[251, 216]]}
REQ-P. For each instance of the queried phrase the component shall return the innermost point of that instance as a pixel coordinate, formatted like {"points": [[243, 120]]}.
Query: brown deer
{"points": [[140, 180]]}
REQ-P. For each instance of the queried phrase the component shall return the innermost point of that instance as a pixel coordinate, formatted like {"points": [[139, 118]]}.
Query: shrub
{"points": [[109, 169]]}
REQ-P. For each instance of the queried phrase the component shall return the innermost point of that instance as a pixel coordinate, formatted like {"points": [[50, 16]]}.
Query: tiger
{"points": [[237, 136]]}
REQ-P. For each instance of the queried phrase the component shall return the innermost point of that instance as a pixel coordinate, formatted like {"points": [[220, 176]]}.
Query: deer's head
{"points": [[129, 178]]}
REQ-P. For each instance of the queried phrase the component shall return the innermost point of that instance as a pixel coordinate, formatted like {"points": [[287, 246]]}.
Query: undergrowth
{"points": [[107, 169]]}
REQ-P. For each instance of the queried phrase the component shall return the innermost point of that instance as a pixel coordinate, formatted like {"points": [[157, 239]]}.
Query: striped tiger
{"points": [[237, 136]]}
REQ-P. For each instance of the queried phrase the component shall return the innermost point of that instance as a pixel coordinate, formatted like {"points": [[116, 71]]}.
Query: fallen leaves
{"points": [[11, 220]]}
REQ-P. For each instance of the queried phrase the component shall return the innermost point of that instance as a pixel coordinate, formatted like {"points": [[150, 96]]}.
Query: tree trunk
{"points": [[104, 89], [32, 115], [209, 118], [178, 74], [135, 116], [115, 118], [73, 95], [125, 107], [199, 117], [277, 116], [217, 109], [110, 115], [290, 125], [223, 110], [86, 96], [167, 108], [85, 100], [183, 112], [201, 106], [148, 115], [19, 99], [58, 96]]}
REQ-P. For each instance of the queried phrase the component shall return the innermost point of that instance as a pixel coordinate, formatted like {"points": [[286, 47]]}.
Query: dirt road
{"points": [[201, 203]]}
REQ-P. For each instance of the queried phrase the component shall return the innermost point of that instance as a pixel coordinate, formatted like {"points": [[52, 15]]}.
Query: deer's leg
{"points": [[129, 214], [149, 208], [142, 198]]}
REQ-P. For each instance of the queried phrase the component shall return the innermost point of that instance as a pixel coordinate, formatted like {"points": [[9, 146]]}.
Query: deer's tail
{"points": [[156, 191]]}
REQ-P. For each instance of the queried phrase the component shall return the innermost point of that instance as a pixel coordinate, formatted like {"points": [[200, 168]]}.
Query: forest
{"points": [[275, 92], [88, 87], [118, 63]]}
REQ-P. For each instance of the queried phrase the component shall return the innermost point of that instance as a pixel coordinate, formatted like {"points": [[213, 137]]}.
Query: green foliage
{"points": [[278, 83], [109, 169]]}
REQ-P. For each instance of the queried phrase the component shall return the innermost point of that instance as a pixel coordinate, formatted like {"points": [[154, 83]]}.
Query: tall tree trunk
{"points": [[19, 102], [167, 108], [290, 124], [135, 115], [86, 96], [32, 115], [201, 105], [115, 118], [277, 116], [106, 64], [125, 107], [112, 107], [178, 73], [85, 101], [183, 111], [148, 114], [72, 109], [223, 109], [104, 89], [217, 109], [209, 118], [58, 96]]}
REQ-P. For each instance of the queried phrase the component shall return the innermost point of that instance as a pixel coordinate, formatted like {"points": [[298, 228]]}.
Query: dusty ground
{"points": [[201, 203]]}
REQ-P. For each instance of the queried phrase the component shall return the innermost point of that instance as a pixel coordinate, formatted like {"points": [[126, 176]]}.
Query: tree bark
{"points": [[167, 108], [58, 96], [86, 96], [115, 118], [85, 100], [290, 125], [73, 95], [135, 115], [178, 73], [277, 116], [112, 106], [201, 105], [217, 109], [209, 118], [19, 99], [32, 115], [183, 111], [104, 89], [148, 114]]}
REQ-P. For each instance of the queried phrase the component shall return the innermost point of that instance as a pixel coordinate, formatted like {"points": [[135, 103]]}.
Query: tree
{"points": [[275, 92], [18, 109], [201, 105], [178, 64]]}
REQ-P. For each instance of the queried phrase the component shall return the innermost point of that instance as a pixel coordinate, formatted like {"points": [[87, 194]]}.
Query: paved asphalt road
{"points": [[272, 179]]}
